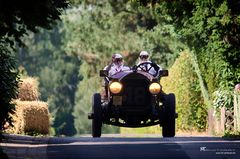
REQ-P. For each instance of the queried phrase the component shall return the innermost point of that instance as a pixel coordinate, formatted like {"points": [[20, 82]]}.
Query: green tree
{"points": [[17, 18]]}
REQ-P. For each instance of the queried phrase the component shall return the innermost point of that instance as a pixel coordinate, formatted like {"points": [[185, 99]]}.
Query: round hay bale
{"points": [[31, 116], [28, 89]]}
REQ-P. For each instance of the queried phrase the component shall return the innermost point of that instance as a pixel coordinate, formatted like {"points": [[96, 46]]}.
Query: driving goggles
{"points": [[143, 56]]}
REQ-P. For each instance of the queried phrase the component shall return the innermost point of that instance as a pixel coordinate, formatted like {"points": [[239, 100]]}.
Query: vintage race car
{"points": [[134, 99]]}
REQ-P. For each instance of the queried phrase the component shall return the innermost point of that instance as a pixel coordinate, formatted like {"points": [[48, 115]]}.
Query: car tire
{"points": [[168, 128], [97, 115]]}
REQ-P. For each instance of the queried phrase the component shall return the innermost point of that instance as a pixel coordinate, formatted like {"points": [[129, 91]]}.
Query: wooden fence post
{"points": [[210, 121], [223, 119], [236, 112]]}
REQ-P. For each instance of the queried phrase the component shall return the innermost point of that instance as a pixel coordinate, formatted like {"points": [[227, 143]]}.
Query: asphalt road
{"points": [[124, 148]]}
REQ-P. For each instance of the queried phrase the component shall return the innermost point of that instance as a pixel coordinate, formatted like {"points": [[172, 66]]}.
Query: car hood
{"points": [[132, 74]]}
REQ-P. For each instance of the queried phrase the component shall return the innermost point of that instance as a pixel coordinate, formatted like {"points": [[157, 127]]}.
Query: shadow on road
{"points": [[124, 148], [117, 151], [116, 148], [142, 148], [3, 155]]}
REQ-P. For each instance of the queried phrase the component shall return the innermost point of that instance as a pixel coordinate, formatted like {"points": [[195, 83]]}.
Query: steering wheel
{"points": [[143, 67]]}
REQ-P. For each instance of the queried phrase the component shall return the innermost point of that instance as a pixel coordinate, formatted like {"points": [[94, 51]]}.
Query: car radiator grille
{"points": [[135, 93]]}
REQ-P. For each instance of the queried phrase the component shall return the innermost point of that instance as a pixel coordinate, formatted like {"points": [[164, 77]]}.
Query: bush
{"points": [[183, 81]]}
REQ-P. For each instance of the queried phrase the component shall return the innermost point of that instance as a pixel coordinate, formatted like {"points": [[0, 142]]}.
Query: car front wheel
{"points": [[97, 115], [168, 128]]}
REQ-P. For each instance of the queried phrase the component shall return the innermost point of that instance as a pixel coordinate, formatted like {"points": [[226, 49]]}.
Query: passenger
{"points": [[144, 58], [114, 67], [117, 65]]}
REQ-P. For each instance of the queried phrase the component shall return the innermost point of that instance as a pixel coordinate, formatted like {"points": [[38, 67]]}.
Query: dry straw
{"points": [[31, 116], [28, 89]]}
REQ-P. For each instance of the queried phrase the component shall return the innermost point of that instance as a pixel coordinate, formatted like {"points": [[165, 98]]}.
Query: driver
{"points": [[144, 57]]}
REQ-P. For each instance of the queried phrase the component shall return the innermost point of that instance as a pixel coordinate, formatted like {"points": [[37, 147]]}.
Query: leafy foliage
{"points": [[222, 99], [210, 28], [8, 83], [18, 17]]}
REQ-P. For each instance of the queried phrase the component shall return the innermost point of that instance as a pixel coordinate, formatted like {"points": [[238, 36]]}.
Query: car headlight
{"points": [[115, 87], [154, 88]]}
